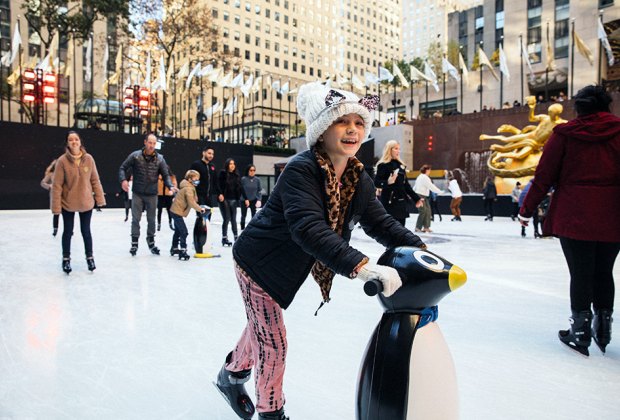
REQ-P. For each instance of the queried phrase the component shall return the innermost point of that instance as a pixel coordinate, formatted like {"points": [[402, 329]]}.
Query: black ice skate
{"points": [[183, 255], [90, 261], [230, 385], [601, 327], [66, 265], [578, 338], [174, 251], [134, 246], [151, 243], [274, 415], [226, 242]]}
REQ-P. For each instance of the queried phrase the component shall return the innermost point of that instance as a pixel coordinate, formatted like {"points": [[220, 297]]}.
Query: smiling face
{"points": [[74, 143], [231, 166], [344, 137]]}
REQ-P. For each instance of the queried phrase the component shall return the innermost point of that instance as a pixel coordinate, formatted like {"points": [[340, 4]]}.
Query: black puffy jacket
{"points": [[394, 196], [281, 243], [145, 171]]}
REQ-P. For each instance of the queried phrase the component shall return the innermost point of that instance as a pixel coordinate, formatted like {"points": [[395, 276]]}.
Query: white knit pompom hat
{"points": [[319, 111]]}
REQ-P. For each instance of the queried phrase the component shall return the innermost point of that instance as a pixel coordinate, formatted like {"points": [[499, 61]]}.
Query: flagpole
{"points": [[394, 99], [572, 56], [73, 76], [280, 106], [501, 80], [21, 89], [107, 93], [58, 82], [201, 112], [411, 100], [443, 101], [480, 66], [92, 72], [547, 66], [521, 55], [600, 52], [461, 55], [426, 104], [289, 113]]}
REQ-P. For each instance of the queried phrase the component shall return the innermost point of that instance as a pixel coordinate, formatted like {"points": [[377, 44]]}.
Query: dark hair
{"points": [[82, 148], [592, 99], [247, 169], [205, 148], [425, 168], [227, 165]]}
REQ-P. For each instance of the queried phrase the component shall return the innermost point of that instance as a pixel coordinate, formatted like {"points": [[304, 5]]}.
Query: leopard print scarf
{"points": [[339, 195]]}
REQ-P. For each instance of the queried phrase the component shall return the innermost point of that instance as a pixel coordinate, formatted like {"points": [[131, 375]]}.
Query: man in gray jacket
{"points": [[145, 165]]}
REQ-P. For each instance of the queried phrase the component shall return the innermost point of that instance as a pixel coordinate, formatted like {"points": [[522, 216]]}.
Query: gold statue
{"points": [[520, 154]]}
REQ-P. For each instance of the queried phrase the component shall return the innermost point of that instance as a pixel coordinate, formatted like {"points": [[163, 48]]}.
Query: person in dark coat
{"points": [[304, 227], [146, 165], [489, 194], [251, 193], [208, 189], [229, 184], [581, 161], [391, 181]]}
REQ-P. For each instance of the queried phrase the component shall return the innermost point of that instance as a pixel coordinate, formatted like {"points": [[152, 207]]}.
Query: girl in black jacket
{"points": [[304, 227], [229, 184], [391, 180]]}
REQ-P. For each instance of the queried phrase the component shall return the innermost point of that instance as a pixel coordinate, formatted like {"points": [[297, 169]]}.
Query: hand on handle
{"points": [[388, 277]]}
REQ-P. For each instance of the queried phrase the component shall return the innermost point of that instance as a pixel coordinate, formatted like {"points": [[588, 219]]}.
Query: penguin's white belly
{"points": [[433, 393]]}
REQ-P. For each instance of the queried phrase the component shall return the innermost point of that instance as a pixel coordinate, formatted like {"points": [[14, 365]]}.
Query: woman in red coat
{"points": [[581, 161]]}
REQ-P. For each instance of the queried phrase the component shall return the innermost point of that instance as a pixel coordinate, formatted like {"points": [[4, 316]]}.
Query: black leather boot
{"points": [[274, 415], [232, 389], [90, 261], [578, 337], [601, 327], [66, 264]]}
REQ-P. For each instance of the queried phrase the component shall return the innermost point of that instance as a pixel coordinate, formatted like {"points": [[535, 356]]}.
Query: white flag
{"points": [[183, 71], [284, 89], [213, 110], [357, 83], [464, 69], [503, 63], [602, 35], [276, 86], [370, 79], [147, 77], [416, 74], [17, 41], [399, 74], [447, 67], [430, 76], [226, 80], [206, 71], [257, 84], [247, 86], [87, 71], [583, 48], [483, 60], [526, 58], [385, 75], [163, 83], [192, 73], [237, 81], [69, 61], [215, 75]]}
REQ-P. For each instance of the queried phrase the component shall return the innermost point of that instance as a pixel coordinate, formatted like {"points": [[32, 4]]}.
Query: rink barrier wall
{"points": [[28, 149]]}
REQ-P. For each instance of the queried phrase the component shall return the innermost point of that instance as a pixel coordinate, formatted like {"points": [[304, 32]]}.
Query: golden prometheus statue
{"points": [[520, 152]]}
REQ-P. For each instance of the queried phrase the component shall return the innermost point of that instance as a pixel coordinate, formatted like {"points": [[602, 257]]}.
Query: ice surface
{"points": [[144, 337]]}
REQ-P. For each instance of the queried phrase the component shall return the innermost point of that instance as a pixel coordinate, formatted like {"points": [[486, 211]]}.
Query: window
{"points": [[248, 23], [248, 7], [226, 16], [247, 38], [257, 41], [237, 52], [257, 57], [237, 36], [214, 13], [561, 30], [267, 13], [237, 20], [276, 62], [247, 55]]}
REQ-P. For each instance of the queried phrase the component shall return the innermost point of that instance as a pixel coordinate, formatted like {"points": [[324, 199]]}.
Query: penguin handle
{"points": [[373, 287]]}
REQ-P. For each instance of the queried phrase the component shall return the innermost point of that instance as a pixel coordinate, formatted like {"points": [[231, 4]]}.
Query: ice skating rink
{"points": [[144, 337]]}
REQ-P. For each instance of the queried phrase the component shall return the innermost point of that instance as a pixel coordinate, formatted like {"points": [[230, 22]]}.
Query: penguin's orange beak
{"points": [[456, 277]]}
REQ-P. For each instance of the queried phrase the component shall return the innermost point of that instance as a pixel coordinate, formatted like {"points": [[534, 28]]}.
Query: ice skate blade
{"points": [[577, 349], [247, 417], [601, 347]]}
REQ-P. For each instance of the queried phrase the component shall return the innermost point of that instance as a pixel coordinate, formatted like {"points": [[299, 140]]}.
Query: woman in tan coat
{"points": [[75, 181]]}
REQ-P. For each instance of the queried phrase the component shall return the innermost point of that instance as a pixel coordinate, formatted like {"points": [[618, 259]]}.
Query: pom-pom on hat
{"points": [[319, 106]]}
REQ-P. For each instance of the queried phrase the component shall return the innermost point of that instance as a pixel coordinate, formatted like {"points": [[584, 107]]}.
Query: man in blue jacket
{"points": [[145, 165]]}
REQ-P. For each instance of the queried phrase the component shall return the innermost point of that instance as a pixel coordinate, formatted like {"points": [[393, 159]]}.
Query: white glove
{"points": [[388, 276]]}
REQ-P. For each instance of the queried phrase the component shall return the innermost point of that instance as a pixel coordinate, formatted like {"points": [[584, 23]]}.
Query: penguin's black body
{"points": [[406, 357]]}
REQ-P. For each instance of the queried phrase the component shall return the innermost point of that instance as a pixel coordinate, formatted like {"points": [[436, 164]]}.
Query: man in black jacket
{"points": [[207, 190], [146, 165]]}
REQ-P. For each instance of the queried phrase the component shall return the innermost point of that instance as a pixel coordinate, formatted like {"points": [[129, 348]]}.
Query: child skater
{"points": [[306, 227], [185, 200]]}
